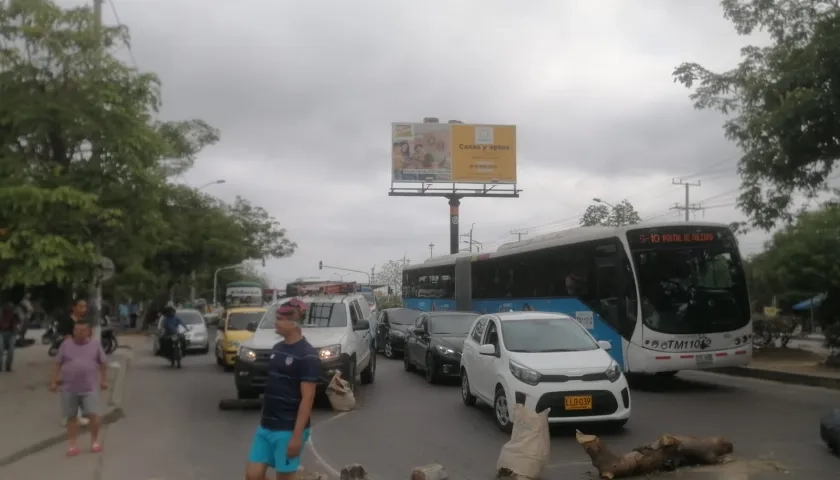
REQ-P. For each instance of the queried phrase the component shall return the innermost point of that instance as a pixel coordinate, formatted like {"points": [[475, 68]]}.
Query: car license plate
{"points": [[704, 359], [578, 403]]}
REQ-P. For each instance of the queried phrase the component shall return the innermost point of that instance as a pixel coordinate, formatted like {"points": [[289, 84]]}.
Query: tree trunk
{"points": [[667, 453]]}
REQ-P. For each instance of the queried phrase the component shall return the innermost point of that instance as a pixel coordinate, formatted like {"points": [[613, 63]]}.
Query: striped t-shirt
{"points": [[290, 365]]}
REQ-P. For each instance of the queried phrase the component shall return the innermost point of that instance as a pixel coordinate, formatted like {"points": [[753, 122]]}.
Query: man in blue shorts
{"points": [[293, 370]]}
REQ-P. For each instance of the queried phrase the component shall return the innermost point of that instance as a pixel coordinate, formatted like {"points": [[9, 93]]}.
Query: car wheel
{"points": [[407, 366], [501, 411], [351, 374], [389, 349], [219, 360], [247, 394], [430, 369], [468, 398], [369, 373]]}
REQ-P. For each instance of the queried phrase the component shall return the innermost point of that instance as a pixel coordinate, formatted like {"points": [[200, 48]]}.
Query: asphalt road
{"points": [[174, 430]]}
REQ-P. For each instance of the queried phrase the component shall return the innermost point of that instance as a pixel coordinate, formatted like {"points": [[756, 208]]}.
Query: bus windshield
{"points": [[690, 279]]}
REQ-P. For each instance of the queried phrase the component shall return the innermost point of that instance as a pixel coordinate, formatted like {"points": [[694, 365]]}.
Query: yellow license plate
{"points": [[578, 403]]}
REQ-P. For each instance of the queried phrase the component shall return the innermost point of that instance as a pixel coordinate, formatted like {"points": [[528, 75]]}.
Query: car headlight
{"points": [[329, 352], [613, 372], [396, 333], [524, 374], [444, 350], [247, 355]]}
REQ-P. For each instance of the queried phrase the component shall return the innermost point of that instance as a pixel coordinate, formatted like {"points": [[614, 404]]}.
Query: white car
{"points": [[337, 325], [542, 360]]}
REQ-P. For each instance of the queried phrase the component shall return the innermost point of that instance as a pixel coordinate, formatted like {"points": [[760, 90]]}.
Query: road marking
{"points": [[311, 444]]}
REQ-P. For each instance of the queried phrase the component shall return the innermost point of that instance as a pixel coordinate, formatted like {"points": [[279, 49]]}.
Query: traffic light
{"points": [[320, 264]]}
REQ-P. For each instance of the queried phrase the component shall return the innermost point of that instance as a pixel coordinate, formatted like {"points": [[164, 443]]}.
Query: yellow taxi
{"points": [[233, 330]]}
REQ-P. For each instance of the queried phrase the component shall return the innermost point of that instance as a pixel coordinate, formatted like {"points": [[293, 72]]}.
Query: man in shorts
{"points": [[294, 369], [81, 366]]}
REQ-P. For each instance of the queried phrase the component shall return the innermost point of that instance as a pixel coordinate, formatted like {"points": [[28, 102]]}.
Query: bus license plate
{"points": [[704, 359], [578, 403]]}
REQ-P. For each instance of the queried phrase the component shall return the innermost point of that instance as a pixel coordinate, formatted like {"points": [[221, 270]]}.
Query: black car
{"points": [[392, 326], [435, 342]]}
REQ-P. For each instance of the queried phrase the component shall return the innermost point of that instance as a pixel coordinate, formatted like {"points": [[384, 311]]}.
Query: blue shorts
{"points": [[269, 448]]}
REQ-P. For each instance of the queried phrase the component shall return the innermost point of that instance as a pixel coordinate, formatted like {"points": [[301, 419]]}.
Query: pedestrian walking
{"points": [[9, 323], [82, 371], [66, 323], [293, 370]]}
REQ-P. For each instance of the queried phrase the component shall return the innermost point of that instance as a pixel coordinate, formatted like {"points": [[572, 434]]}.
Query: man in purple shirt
{"points": [[83, 371]]}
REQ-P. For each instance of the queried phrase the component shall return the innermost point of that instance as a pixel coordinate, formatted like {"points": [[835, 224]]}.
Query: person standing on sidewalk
{"points": [[9, 323], [293, 370], [78, 311], [81, 366]]}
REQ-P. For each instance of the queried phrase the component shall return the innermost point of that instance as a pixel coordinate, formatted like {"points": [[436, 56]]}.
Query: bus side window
{"points": [[610, 295]]}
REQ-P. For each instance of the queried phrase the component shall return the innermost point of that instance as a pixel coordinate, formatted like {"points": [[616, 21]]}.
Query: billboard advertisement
{"points": [[453, 153]]}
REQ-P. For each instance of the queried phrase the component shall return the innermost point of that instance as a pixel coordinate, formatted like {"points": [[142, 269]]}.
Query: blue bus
{"points": [[667, 296]]}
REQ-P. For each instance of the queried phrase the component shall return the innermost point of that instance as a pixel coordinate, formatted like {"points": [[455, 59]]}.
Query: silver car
{"points": [[197, 336]]}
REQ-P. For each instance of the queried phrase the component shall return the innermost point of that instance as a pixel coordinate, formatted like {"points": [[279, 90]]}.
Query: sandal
{"points": [[72, 451], [96, 447]]}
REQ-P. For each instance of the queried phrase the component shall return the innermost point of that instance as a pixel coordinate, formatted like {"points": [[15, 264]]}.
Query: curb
{"points": [[114, 414], [777, 376]]}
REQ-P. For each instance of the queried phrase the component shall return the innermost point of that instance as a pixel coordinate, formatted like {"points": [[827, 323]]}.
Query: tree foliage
{"points": [[390, 274], [86, 167], [600, 214], [783, 102]]}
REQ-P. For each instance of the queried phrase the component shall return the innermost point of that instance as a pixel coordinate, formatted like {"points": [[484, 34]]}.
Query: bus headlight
{"points": [[613, 372], [524, 374], [247, 355]]}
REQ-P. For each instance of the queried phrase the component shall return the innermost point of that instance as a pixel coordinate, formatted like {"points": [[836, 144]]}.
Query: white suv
{"points": [[542, 360], [337, 325]]}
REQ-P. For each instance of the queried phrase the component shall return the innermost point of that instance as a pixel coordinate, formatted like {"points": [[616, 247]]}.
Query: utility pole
{"points": [[469, 240], [519, 234], [96, 296], [688, 207], [431, 250]]}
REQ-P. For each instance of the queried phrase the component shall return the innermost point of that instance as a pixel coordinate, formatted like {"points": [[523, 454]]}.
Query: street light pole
{"points": [[216, 279], [192, 274]]}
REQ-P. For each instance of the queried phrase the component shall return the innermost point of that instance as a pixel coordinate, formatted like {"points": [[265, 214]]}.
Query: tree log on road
{"points": [[667, 453]]}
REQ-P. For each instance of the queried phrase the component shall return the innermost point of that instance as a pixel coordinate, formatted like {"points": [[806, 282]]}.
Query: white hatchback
{"points": [[542, 360]]}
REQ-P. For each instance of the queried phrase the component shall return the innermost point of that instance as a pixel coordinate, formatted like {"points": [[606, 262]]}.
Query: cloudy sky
{"points": [[304, 94]]}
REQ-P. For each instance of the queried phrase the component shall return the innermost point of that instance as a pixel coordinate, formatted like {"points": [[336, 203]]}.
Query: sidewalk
{"points": [[32, 412], [798, 365]]}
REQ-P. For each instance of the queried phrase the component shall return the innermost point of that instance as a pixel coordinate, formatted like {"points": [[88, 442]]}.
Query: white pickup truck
{"points": [[337, 325]]}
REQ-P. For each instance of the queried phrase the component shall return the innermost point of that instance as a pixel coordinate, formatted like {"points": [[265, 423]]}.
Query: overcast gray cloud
{"points": [[304, 94]]}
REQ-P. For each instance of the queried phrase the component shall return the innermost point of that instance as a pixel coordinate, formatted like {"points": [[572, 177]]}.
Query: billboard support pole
{"points": [[454, 203]]}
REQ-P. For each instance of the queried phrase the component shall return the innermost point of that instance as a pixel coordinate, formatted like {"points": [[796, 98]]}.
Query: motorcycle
{"points": [[108, 341], [176, 349], [49, 335]]}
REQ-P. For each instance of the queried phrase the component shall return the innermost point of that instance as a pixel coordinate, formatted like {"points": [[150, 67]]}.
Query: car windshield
{"points": [[322, 314], [451, 324], [240, 320], [403, 316], [540, 335], [191, 318], [692, 289]]}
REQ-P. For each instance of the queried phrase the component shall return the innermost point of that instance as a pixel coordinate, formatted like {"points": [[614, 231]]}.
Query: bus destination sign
{"points": [[654, 238]]}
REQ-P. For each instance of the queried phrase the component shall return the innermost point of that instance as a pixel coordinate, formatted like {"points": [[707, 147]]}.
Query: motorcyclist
{"points": [[170, 324]]}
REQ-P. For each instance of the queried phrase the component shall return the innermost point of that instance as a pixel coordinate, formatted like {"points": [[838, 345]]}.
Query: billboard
{"points": [[453, 153]]}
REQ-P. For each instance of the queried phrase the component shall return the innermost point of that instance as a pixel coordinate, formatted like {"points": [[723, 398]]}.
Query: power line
{"points": [[119, 22], [688, 207]]}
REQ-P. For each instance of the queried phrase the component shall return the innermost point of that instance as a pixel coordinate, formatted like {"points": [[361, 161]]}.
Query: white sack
{"points": [[340, 395], [527, 452]]}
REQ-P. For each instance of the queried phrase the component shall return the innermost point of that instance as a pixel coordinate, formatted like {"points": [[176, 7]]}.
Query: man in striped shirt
{"points": [[293, 371]]}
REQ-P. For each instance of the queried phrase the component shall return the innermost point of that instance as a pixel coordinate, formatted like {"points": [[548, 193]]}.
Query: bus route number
{"points": [[677, 238]]}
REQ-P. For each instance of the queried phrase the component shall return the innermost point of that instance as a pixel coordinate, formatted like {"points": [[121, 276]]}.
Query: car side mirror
{"points": [[251, 327], [419, 331], [487, 349], [362, 325], [605, 344]]}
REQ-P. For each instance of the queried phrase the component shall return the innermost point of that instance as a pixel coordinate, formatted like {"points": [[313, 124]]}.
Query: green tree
{"points": [[263, 236], [390, 275], [600, 214], [783, 102], [83, 161]]}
